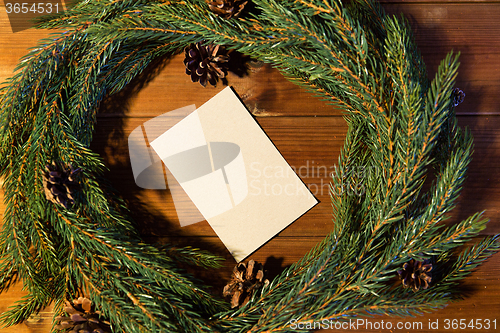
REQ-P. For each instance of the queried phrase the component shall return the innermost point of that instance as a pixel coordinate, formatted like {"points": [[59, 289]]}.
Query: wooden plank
{"points": [[439, 25], [42, 322], [470, 28], [14, 46], [311, 146], [266, 93], [277, 255], [478, 74], [439, 28]]}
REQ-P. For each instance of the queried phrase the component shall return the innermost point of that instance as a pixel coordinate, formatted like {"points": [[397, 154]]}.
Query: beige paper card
{"points": [[233, 173]]}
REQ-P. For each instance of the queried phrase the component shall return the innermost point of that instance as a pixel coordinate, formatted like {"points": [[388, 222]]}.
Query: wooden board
{"points": [[309, 133]]}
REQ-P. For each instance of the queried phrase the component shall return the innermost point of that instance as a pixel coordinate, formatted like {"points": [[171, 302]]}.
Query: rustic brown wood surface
{"points": [[309, 133]]}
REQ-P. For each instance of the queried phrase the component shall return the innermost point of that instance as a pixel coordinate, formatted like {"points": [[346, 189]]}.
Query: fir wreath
{"points": [[352, 54]]}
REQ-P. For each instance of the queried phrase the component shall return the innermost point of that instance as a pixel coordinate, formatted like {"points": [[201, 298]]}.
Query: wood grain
{"points": [[309, 133]]}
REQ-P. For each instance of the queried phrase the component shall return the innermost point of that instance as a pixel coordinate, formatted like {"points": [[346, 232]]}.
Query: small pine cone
{"points": [[458, 96], [206, 63], [60, 185], [227, 8], [82, 318], [416, 274], [245, 280]]}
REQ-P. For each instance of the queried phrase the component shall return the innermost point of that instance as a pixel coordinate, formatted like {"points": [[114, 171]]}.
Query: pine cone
{"points": [[416, 274], [82, 318], [245, 280], [60, 186], [206, 63], [227, 8], [458, 96]]}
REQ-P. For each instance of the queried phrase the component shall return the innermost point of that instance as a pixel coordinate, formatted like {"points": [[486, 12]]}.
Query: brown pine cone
{"points": [[60, 185], [227, 8], [206, 63], [416, 274], [82, 318], [245, 280], [458, 96]]}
